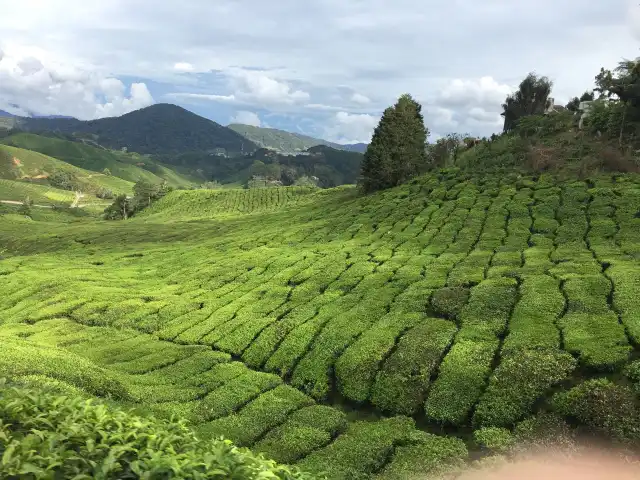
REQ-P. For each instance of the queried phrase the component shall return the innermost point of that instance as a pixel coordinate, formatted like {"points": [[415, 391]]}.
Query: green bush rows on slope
{"points": [[340, 295], [467, 365], [242, 412], [44, 435]]}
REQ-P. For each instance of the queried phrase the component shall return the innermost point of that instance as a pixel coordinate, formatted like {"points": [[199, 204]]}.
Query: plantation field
{"points": [[30, 165], [367, 337], [130, 167]]}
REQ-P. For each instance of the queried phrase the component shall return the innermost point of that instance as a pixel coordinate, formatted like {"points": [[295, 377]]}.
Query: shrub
{"points": [[607, 408], [462, 378], [362, 449], [494, 438], [434, 456], [544, 430], [519, 380], [449, 301], [43, 435], [405, 376]]}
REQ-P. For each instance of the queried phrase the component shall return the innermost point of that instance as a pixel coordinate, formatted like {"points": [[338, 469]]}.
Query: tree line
{"points": [[399, 148]]}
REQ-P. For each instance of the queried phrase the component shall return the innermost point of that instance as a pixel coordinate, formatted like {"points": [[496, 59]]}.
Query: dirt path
{"points": [[13, 202]]}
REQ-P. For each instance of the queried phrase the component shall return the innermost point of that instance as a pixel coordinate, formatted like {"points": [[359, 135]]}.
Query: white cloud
{"points": [[485, 91], [374, 47], [247, 118], [204, 96], [351, 128], [41, 86], [183, 67], [360, 99], [261, 89]]}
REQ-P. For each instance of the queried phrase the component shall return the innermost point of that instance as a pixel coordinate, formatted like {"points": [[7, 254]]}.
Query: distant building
{"points": [[552, 107]]}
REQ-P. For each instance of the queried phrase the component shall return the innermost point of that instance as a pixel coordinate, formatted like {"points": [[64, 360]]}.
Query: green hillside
{"points": [[129, 167], [287, 142], [26, 165], [380, 336]]}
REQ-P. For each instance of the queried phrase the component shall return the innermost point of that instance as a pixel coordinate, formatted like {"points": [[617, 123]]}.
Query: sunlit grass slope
{"points": [[127, 166], [29, 165], [210, 203], [443, 307]]}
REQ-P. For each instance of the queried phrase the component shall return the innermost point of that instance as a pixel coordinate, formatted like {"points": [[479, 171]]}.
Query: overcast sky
{"points": [[326, 68]]}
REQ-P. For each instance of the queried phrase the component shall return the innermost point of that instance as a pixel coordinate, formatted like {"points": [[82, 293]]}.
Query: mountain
{"points": [[288, 142], [51, 117], [158, 129], [6, 114], [355, 147]]}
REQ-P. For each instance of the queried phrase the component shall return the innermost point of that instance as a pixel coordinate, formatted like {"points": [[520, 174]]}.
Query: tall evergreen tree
{"points": [[397, 150]]}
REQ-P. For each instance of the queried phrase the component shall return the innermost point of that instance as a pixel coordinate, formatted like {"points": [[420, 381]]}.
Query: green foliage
{"points": [[145, 194], [518, 382], [43, 435], [397, 149], [362, 449], [121, 209], [101, 162], [437, 455], [449, 301], [63, 180], [337, 294], [607, 408], [494, 438]]}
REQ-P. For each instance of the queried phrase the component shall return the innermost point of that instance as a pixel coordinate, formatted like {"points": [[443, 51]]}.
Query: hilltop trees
{"points": [[397, 151], [530, 99]]}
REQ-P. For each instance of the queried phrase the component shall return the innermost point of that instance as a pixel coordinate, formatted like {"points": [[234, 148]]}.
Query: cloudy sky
{"points": [[326, 68]]}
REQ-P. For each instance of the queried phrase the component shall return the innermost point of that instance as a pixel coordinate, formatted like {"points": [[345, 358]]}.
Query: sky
{"points": [[326, 68]]}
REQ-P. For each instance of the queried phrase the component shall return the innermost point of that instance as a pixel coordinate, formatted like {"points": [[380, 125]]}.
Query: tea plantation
{"points": [[379, 336]]}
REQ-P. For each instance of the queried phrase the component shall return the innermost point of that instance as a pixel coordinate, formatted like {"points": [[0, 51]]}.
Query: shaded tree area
{"points": [[144, 195], [332, 167], [397, 150]]}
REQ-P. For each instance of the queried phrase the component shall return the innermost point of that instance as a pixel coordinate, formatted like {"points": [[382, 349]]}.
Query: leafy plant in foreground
{"points": [[43, 435]]}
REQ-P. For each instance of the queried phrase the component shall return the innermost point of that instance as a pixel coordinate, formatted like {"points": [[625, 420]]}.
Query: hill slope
{"points": [[465, 302], [129, 167], [160, 128], [288, 142], [29, 166]]}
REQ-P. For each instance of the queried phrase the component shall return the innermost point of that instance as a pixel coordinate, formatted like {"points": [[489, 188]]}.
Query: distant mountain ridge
{"points": [[288, 142], [159, 129]]}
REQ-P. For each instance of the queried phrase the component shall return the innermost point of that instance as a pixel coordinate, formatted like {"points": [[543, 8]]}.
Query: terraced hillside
{"points": [[30, 166], [126, 166], [359, 336]]}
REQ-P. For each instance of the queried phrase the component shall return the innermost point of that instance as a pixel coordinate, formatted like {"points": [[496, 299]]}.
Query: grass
{"points": [[131, 167], [28, 165], [339, 332]]}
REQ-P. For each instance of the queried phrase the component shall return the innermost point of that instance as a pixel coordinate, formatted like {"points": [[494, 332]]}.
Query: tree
{"points": [[573, 104], [146, 192], [624, 84], [25, 207], [120, 209], [530, 99], [397, 150]]}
